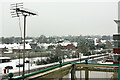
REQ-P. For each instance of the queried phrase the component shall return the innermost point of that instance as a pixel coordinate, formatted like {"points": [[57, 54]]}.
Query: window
{"points": [[116, 58], [116, 44]]}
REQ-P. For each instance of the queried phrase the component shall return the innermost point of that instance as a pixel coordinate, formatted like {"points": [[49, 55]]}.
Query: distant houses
{"points": [[33, 45], [73, 46], [103, 44], [14, 48], [20, 48], [65, 45], [69, 47]]}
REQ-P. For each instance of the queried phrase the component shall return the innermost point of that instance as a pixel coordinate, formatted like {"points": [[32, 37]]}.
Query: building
{"points": [[116, 48], [20, 48], [106, 37], [69, 47], [4, 59], [14, 48]]}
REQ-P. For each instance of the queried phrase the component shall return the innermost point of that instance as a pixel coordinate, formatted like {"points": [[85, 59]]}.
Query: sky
{"points": [[61, 18]]}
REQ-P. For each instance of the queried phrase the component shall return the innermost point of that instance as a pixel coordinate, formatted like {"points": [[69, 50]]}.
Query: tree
{"points": [[58, 50], [101, 46], [51, 47], [42, 39], [8, 40]]}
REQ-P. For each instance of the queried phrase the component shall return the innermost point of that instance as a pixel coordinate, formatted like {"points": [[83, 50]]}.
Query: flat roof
{"points": [[4, 57]]}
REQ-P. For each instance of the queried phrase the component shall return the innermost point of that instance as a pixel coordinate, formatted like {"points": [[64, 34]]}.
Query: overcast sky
{"points": [[65, 17]]}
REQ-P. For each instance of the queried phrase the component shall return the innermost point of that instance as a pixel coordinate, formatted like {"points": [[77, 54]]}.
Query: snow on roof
{"points": [[65, 43], [28, 40], [21, 46], [103, 41], [4, 57], [98, 50], [74, 43], [8, 45], [46, 45], [15, 46], [2, 46]]}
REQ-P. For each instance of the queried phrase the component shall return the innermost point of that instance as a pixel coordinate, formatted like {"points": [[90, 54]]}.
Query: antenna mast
{"points": [[17, 10]]}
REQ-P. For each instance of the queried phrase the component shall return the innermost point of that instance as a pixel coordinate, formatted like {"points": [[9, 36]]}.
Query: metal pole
{"points": [[63, 56], [19, 54], [29, 62], [19, 61], [24, 46]]}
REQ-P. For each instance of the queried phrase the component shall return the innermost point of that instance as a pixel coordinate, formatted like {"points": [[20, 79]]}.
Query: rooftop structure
{"points": [[116, 38]]}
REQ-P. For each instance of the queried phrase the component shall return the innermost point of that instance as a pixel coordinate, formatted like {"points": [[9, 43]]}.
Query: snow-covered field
{"points": [[32, 65], [15, 62]]}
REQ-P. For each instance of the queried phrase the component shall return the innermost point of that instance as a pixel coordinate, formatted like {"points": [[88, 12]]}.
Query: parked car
{"points": [[19, 65], [27, 61], [8, 67]]}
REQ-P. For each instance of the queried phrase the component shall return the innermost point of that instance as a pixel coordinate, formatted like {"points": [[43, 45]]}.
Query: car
{"points": [[19, 65], [27, 61], [8, 67]]}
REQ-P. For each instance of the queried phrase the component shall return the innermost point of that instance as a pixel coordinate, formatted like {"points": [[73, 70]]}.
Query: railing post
{"points": [[73, 72], [119, 72], [10, 75], [86, 73], [86, 61], [86, 70], [60, 63]]}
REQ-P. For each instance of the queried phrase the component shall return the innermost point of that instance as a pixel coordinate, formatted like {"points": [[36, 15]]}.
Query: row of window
{"points": [[116, 58]]}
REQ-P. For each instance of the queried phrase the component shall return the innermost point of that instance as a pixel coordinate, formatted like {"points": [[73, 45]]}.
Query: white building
{"points": [[11, 48]]}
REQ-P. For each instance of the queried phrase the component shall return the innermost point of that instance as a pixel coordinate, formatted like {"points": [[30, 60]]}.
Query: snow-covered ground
{"points": [[15, 62], [33, 66]]}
